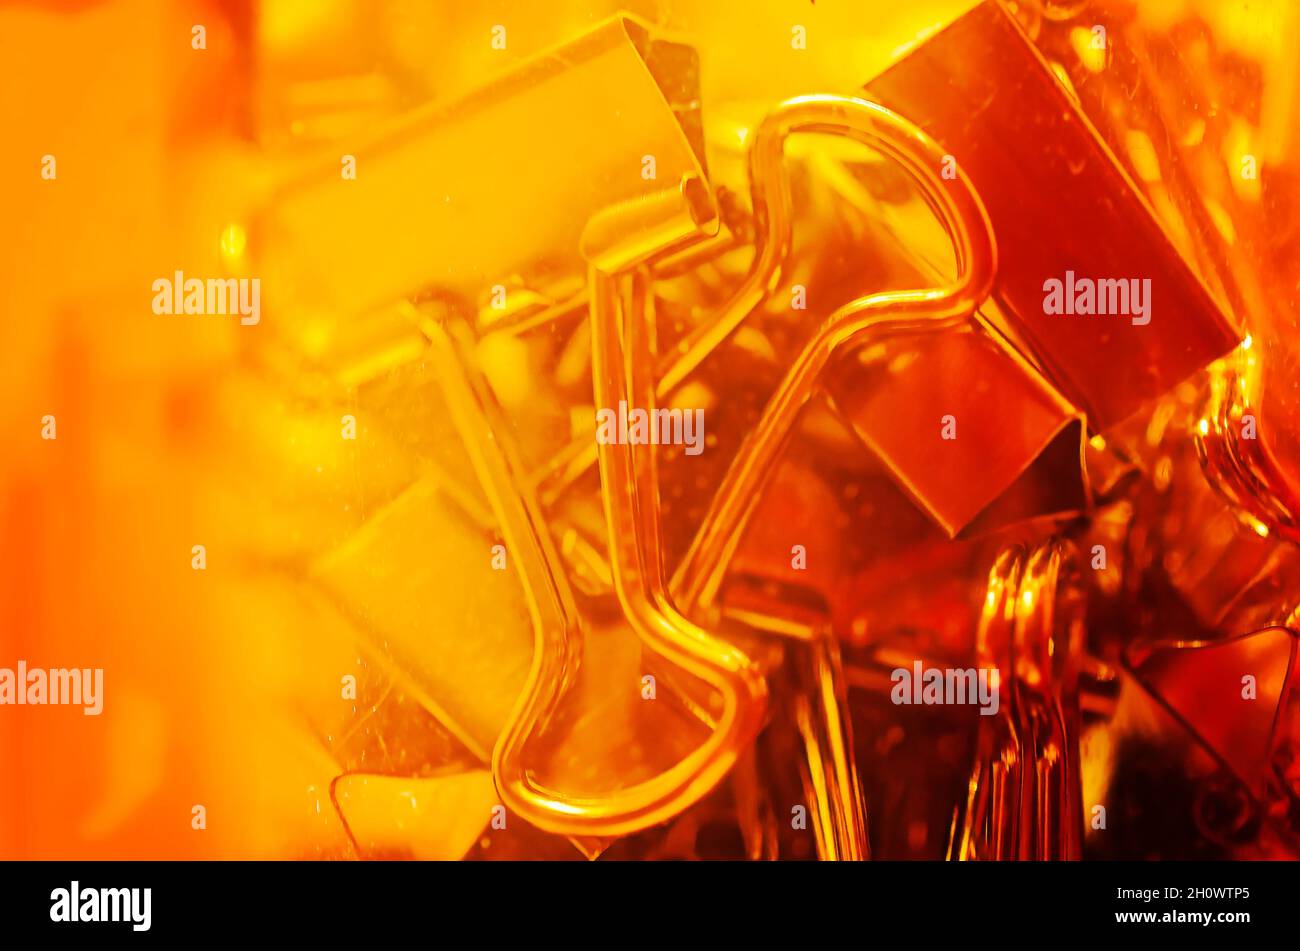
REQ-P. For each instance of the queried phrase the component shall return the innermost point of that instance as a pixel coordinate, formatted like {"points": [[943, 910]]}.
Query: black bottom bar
{"points": [[481, 901]]}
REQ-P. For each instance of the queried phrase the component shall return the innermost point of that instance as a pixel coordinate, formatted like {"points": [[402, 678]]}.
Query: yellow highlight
{"points": [[1094, 60], [1143, 156], [234, 239], [504, 360]]}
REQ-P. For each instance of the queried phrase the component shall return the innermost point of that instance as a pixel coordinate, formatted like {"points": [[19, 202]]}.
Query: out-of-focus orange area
{"points": [[98, 523]]}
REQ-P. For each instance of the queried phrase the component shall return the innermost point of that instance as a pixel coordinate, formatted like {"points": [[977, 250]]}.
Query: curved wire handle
{"points": [[1024, 793], [868, 318], [621, 359], [619, 301], [1245, 471]]}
